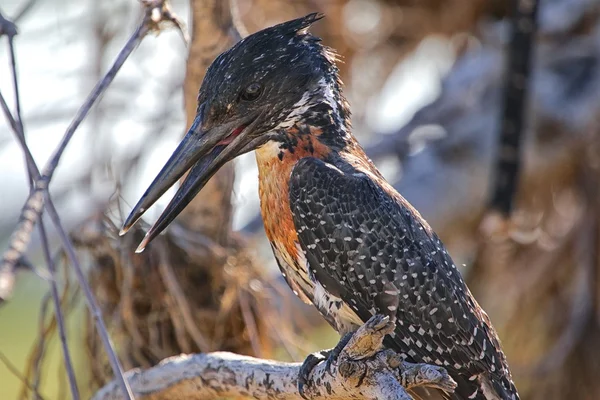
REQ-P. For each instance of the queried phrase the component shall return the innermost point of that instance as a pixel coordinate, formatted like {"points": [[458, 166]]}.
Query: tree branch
{"points": [[10, 30], [363, 370], [156, 12]]}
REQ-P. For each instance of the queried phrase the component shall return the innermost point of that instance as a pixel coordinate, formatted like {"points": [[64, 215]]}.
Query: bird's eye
{"points": [[252, 92]]}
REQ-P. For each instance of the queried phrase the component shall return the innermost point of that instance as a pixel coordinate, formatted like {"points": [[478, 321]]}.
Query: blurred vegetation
{"points": [[536, 274], [21, 328]]}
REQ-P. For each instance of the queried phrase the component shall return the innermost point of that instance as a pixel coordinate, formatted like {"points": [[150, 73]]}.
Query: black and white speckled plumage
{"points": [[365, 246], [344, 239], [363, 250]]}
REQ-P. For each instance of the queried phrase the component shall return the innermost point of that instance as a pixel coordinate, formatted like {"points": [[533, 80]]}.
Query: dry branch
{"points": [[16, 123], [363, 370], [156, 12]]}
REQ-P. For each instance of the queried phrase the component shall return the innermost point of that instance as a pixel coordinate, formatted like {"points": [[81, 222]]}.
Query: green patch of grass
{"points": [[19, 328]]}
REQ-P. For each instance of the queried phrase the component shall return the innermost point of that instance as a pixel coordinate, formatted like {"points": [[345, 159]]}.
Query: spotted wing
{"points": [[367, 245]]}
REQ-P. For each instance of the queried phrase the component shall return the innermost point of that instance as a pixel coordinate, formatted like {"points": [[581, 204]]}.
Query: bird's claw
{"points": [[330, 356], [306, 368], [335, 352], [378, 322]]}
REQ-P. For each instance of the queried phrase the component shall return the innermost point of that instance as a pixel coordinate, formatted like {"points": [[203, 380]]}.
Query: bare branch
{"points": [[7, 278], [362, 371], [156, 12], [178, 296], [33, 173], [24, 10], [15, 371]]}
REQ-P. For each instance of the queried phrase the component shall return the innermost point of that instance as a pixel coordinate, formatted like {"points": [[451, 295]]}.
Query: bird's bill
{"points": [[205, 151]]}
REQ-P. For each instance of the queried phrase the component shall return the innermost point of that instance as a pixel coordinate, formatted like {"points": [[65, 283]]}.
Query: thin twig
{"points": [[33, 173], [35, 202], [33, 207], [508, 164], [24, 10], [157, 11], [60, 319], [35, 358], [175, 291], [91, 300], [250, 322], [15, 371]]}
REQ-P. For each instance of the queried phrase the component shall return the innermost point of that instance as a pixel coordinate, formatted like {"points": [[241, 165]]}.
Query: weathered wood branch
{"points": [[363, 370]]}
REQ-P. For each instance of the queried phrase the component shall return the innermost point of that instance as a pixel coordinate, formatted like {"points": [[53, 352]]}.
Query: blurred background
{"points": [[424, 79]]}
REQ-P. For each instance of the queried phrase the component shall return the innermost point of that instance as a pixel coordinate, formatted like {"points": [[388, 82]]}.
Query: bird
{"points": [[344, 239]]}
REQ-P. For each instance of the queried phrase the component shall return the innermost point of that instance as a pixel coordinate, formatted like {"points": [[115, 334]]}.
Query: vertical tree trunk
{"points": [[212, 32]]}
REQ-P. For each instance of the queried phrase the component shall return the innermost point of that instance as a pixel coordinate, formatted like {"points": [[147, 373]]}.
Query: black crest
{"points": [[284, 60], [300, 25]]}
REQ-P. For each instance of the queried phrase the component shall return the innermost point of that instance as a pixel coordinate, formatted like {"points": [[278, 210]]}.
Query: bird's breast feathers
{"points": [[276, 161]]}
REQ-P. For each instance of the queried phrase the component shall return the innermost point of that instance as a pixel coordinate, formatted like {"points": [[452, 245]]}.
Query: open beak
{"points": [[205, 151]]}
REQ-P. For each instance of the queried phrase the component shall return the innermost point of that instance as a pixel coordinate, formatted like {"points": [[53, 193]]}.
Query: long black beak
{"points": [[205, 151]]}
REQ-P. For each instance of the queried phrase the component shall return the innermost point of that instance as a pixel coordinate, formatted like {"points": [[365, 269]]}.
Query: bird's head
{"points": [[250, 95]]}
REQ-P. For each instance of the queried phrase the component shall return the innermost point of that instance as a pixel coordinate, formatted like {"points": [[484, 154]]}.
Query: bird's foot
{"points": [[373, 331], [334, 353], [329, 356], [368, 339], [307, 366]]}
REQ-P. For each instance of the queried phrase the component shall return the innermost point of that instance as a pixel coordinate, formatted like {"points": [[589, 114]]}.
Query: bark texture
{"points": [[362, 371]]}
